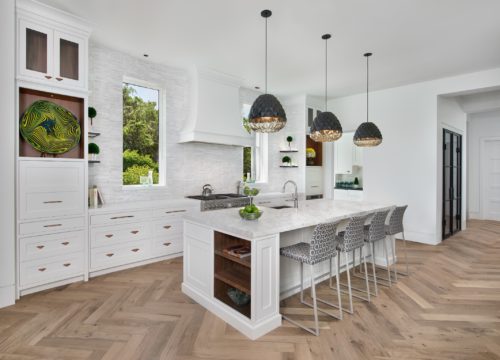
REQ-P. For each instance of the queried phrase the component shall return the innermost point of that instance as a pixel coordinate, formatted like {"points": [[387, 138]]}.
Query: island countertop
{"points": [[274, 221]]}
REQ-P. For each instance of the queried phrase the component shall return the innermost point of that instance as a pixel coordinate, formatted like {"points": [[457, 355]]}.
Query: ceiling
{"points": [[412, 40]]}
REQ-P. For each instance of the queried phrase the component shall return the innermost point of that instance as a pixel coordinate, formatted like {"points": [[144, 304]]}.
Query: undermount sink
{"points": [[281, 207]]}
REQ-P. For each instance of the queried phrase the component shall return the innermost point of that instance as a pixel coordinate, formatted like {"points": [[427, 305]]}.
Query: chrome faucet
{"points": [[207, 190], [295, 195]]}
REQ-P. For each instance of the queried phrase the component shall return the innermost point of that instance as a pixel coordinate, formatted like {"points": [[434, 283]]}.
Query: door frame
{"points": [[482, 166]]}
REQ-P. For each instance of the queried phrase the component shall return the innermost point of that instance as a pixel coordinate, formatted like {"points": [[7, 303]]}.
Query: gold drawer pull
{"points": [[174, 211], [109, 255], [48, 77], [65, 243], [59, 79], [135, 250], [135, 232], [52, 225], [109, 235], [167, 227], [40, 247], [53, 202], [67, 264], [122, 217], [42, 269], [167, 244]]}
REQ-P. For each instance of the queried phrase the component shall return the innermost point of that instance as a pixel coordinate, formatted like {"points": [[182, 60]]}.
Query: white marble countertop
{"points": [[273, 221]]}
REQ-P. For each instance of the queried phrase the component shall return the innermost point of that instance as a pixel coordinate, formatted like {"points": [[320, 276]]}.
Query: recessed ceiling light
{"points": [[257, 87], [146, 55]]}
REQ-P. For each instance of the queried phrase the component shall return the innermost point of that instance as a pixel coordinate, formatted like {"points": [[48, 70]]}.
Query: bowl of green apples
{"points": [[251, 212]]}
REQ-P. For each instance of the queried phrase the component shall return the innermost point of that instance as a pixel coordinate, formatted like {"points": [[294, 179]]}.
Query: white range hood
{"points": [[215, 111]]}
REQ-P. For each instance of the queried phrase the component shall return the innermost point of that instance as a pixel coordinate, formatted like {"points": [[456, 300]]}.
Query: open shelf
{"points": [[231, 271], [93, 134], [289, 151], [289, 166], [94, 161]]}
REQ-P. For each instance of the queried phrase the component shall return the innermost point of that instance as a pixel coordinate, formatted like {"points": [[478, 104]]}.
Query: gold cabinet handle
{"points": [[42, 269], [167, 244], [109, 235], [48, 77], [135, 250], [59, 78], [109, 255], [174, 211], [53, 202], [51, 225], [135, 232], [40, 247], [167, 227], [122, 217], [65, 243], [67, 264]]}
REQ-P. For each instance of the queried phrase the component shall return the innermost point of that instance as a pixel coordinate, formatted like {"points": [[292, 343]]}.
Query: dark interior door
{"points": [[452, 183]]}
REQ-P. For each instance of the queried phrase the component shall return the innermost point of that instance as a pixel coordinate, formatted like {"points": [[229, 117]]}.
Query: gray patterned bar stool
{"points": [[396, 227], [322, 248], [349, 240], [373, 233]]}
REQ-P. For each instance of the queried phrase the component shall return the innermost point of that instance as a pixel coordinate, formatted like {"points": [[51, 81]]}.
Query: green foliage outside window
{"points": [[140, 137], [247, 162]]}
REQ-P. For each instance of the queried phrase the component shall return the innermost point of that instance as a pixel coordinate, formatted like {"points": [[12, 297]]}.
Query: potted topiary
{"points": [[92, 112], [94, 151], [289, 139], [286, 160]]}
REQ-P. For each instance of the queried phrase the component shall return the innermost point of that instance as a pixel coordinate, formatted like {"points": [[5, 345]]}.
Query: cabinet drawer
{"points": [[167, 228], [119, 218], [107, 257], [38, 227], [171, 213], [110, 235], [38, 247], [163, 247], [45, 271], [51, 188]]}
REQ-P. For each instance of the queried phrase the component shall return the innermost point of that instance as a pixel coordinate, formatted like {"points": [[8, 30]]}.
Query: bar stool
{"points": [[350, 240], [396, 227], [373, 233], [322, 248]]}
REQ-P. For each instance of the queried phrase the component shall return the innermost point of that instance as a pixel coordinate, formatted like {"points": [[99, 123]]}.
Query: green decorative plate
{"points": [[50, 128]]}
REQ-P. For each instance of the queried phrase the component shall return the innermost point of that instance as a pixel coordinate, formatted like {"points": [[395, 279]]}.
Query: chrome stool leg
{"points": [[386, 253], [393, 250], [373, 268]]}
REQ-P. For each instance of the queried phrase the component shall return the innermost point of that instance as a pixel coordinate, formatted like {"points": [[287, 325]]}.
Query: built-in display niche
{"points": [[51, 125]]}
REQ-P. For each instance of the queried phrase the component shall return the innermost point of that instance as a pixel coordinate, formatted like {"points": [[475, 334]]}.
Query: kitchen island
{"points": [[209, 271]]}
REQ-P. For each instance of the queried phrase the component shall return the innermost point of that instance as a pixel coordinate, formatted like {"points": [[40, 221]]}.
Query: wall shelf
{"points": [[289, 151], [94, 161], [289, 166], [93, 134]]}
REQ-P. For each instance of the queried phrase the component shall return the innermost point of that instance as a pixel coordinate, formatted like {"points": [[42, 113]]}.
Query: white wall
{"points": [[480, 126], [7, 148], [404, 168]]}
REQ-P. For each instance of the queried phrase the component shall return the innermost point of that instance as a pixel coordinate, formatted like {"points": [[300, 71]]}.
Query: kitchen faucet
{"points": [[295, 195]]}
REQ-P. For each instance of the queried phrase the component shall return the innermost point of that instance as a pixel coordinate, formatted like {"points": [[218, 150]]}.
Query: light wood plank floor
{"points": [[449, 308]]}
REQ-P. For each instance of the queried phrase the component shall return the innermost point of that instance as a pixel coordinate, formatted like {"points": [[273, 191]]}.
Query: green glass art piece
{"points": [[50, 128]]}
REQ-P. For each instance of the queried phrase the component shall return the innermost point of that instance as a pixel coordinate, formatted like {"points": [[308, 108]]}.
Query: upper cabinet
{"points": [[347, 154], [52, 49]]}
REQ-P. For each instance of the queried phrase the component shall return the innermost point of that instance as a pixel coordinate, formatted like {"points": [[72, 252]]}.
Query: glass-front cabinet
{"points": [[51, 56]]}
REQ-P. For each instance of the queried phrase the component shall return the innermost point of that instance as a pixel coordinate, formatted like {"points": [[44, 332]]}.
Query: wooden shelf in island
{"points": [[235, 279], [246, 261]]}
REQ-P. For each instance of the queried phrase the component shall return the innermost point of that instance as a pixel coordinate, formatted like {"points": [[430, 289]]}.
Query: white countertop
{"points": [[273, 221]]}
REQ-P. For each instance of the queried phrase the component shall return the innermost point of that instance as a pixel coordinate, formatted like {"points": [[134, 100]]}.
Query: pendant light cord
{"points": [[265, 66], [326, 75], [367, 86]]}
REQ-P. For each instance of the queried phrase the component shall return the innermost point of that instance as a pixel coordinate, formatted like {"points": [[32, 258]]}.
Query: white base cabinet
{"points": [[351, 195]]}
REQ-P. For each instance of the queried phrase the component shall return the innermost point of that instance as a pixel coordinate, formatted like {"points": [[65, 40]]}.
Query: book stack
{"points": [[95, 198], [239, 251]]}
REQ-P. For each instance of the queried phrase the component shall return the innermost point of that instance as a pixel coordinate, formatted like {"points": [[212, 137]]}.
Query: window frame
{"points": [[260, 152], [162, 143]]}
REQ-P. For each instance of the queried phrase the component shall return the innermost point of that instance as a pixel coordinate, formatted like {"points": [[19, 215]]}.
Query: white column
{"points": [[7, 152]]}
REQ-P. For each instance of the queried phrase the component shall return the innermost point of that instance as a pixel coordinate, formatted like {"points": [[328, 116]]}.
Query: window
{"points": [[142, 129], [255, 158]]}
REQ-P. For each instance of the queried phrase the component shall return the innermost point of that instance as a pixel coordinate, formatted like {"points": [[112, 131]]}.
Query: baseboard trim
{"points": [[420, 237], [7, 295]]}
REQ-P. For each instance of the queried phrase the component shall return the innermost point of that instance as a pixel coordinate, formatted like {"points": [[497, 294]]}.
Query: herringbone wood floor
{"points": [[448, 309]]}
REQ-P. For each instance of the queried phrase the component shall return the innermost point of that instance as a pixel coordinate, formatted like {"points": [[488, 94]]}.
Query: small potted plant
{"points": [[94, 151], [286, 160], [310, 156], [250, 212], [289, 139], [356, 183], [92, 112]]}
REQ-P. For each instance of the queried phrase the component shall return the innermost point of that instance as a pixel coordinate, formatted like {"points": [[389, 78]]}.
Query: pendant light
{"points": [[326, 126], [267, 114], [367, 134]]}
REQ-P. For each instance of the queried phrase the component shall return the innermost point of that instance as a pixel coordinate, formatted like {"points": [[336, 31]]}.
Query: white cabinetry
{"points": [[314, 180], [347, 155], [351, 195], [52, 49]]}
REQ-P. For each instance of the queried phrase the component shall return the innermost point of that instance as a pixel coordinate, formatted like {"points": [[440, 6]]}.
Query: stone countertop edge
{"points": [[275, 221]]}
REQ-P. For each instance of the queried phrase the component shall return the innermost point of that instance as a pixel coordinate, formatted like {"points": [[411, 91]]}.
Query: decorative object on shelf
{"points": [[326, 126], [356, 181], [50, 128], [286, 160], [266, 115], [92, 113], [250, 212], [310, 155], [367, 134], [95, 197], [94, 151], [289, 139], [238, 297]]}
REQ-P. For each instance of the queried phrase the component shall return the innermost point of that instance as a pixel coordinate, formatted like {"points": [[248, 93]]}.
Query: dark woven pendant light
{"points": [[367, 134], [266, 115], [326, 126]]}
